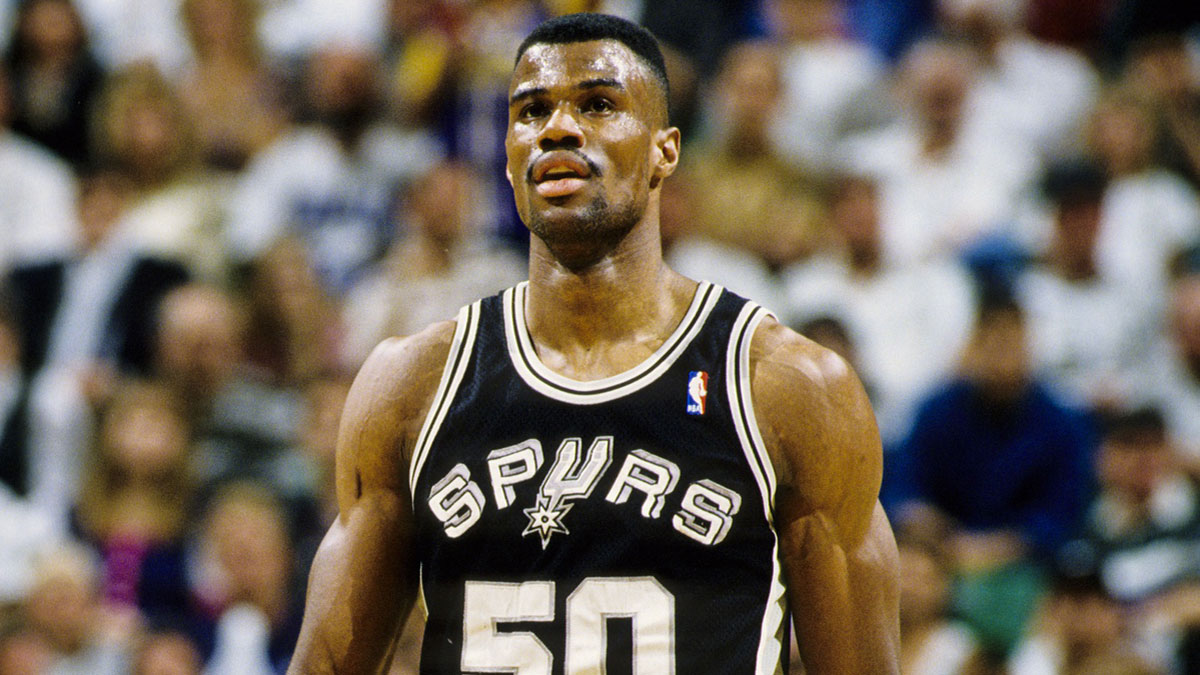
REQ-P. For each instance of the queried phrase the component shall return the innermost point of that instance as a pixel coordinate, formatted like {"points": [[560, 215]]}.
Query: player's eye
{"points": [[598, 104], [532, 110]]}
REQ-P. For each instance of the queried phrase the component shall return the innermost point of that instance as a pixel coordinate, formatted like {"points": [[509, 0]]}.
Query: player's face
{"points": [[585, 142]]}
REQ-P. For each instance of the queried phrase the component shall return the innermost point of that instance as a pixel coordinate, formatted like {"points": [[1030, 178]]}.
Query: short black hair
{"points": [[588, 26], [1134, 426], [1074, 182], [996, 298]]}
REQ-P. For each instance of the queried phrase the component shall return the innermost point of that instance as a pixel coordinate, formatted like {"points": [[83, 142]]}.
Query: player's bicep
{"points": [[363, 579], [837, 547], [370, 436]]}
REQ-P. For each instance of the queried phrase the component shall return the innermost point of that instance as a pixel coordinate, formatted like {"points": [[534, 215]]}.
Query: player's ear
{"points": [[665, 155]]}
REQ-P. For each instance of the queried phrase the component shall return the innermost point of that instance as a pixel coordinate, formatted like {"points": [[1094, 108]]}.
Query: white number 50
{"points": [[642, 599]]}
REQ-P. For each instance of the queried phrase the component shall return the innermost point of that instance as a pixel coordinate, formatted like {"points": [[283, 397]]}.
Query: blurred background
{"points": [[211, 210]]}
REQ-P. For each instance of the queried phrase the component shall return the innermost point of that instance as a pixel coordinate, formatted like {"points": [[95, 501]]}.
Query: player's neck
{"points": [[604, 319]]}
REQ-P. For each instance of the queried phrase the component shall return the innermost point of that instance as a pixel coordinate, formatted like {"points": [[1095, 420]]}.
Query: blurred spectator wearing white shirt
{"points": [[1089, 333], [831, 84], [1150, 213], [330, 182], [37, 196], [908, 323], [944, 184], [1037, 92]]}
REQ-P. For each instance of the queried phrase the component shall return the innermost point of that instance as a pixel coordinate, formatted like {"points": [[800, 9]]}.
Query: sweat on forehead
{"points": [[586, 27]]}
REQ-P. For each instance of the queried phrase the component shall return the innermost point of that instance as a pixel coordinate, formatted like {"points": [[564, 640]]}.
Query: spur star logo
{"points": [[572, 477], [545, 520]]}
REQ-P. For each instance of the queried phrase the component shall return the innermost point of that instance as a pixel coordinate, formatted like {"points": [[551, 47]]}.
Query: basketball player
{"points": [[609, 468]]}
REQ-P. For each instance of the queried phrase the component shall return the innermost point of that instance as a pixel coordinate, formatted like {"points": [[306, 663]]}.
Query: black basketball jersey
{"points": [[614, 526]]}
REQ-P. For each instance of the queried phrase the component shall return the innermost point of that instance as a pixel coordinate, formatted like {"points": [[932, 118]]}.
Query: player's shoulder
{"points": [[396, 384], [788, 364], [404, 356], [811, 407]]}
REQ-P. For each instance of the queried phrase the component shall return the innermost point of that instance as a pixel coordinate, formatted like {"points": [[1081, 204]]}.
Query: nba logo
{"points": [[697, 392]]}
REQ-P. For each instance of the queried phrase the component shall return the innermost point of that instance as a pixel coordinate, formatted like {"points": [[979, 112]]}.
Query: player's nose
{"points": [[561, 129]]}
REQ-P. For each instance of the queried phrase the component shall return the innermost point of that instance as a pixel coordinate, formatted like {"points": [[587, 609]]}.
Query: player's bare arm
{"points": [[838, 550], [364, 578]]}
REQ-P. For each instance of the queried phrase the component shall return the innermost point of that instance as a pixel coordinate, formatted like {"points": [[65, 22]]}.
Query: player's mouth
{"points": [[560, 174]]}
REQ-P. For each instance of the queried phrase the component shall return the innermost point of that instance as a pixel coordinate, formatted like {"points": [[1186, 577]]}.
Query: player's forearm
{"points": [[360, 590], [845, 603]]}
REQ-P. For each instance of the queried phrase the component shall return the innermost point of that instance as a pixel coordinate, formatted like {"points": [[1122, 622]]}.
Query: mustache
{"points": [[593, 168]]}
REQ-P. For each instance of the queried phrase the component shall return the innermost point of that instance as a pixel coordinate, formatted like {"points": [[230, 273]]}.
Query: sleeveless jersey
{"points": [[622, 525]]}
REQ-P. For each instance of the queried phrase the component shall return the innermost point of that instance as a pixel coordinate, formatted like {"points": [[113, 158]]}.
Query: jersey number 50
{"points": [[596, 599]]}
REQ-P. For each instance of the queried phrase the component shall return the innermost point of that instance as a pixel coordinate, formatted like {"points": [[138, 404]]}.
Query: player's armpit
{"points": [[838, 551], [364, 576]]}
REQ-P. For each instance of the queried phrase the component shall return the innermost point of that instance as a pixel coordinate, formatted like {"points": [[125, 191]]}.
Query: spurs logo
{"points": [[705, 512]]}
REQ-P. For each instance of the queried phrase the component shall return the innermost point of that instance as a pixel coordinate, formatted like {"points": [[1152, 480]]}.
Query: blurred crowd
{"points": [[211, 210]]}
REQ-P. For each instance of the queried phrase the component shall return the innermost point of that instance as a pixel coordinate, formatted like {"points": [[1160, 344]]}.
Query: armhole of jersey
{"points": [[773, 632], [741, 404], [452, 376]]}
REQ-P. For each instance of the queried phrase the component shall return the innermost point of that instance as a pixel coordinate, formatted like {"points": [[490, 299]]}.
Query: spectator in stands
{"points": [[831, 84], [144, 131], [1150, 213], [135, 500], [695, 49], [441, 261], [258, 610], [747, 196], [420, 60], [1032, 91], [944, 184], [55, 79], [1160, 70], [932, 642], [908, 323], [692, 253], [37, 195], [84, 319], [66, 608], [1089, 333], [234, 100], [96, 309], [294, 332], [244, 425], [1002, 471], [1143, 530], [1080, 630], [199, 345], [329, 183]]}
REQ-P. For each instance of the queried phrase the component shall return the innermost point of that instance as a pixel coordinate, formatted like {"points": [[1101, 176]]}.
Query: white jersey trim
{"points": [[457, 361], [737, 384], [553, 385]]}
